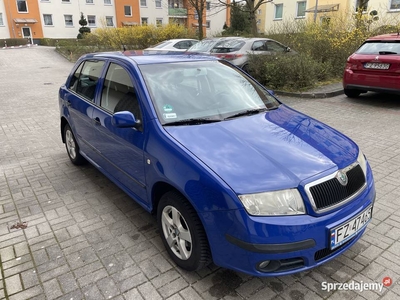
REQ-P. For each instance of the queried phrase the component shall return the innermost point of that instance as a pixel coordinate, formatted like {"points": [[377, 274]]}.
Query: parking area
{"points": [[67, 232]]}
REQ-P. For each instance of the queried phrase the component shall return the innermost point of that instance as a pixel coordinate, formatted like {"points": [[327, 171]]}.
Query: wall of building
{"points": [[346, 8], [16, 29], [153, 13], [216, 15], [58, 9], [4, 32]]}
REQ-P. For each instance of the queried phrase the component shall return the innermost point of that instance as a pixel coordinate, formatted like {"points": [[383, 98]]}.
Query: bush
{"points": [[288, 72], [13, 42], [137, 37]]}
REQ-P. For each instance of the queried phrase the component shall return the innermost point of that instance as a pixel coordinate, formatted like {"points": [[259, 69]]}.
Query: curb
{"points": [[311, 95], [18, 47]]}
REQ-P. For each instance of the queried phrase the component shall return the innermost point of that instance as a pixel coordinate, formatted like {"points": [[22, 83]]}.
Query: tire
{"points": [[352, 93], [246, 68], [72, 147], [182, 232]]}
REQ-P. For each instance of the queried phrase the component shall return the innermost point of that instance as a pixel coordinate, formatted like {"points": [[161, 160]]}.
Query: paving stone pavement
{"points": [[85, 239]]}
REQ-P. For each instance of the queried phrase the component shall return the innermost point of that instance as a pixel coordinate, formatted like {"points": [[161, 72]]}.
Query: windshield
{"points": [[202, 46], [228, 46], [379, 47], [203, 91], [162, 44]]}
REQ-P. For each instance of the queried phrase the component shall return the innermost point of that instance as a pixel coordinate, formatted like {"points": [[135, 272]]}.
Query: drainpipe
{"points": [[315, 11], [11, 19]]}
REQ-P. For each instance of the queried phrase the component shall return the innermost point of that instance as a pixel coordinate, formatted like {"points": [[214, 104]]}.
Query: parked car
{"points": [[375, 66], [204, 46], [237, 49], [174, 46], [233, 175]]}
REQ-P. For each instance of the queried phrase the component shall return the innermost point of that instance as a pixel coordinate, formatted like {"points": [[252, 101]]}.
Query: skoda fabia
{"points": [[234, 176]]}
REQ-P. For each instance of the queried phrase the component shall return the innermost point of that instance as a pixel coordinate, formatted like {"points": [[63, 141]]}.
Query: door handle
{"points": [[96, 121], [68, 103]]}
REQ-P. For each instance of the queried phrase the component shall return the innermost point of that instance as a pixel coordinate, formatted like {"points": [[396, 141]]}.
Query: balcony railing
{"points": [[177, 12]]}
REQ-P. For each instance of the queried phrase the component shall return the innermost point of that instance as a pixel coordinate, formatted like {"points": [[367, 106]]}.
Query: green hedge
{"points": [[13, 42]]}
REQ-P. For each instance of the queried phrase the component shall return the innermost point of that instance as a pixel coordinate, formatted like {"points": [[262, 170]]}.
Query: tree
{"points": [[251, 8], [240, 21], [199, 7], [83, 30], [363, 21]]}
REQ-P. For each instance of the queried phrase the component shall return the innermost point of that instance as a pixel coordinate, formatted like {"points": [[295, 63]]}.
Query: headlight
{"points": [[284, 202], [362, 162]]}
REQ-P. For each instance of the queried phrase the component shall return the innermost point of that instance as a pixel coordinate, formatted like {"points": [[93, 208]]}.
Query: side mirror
{"points": [[125, 119]]}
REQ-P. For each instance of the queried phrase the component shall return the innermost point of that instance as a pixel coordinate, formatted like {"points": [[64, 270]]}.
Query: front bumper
{"points": [[291, 243]]}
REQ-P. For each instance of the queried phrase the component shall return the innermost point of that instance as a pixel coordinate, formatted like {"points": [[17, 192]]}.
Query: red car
{"points": [[375, 66]]}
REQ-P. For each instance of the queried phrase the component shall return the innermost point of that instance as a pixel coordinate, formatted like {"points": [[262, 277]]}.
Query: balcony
{"points": [[177, 12]]}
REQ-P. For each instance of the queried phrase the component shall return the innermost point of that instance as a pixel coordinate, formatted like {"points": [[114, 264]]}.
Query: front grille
{"points": [[331, 192], [321, 254]]}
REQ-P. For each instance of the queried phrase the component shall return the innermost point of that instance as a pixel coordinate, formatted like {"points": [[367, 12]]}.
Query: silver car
{"points": [[236, 50]]}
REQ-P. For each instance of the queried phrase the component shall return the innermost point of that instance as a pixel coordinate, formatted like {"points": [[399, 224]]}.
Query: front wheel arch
{"points": [[192, 252]]}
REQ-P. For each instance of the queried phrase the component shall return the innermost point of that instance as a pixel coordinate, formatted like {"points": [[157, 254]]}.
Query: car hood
{"points": [[269, 151]]}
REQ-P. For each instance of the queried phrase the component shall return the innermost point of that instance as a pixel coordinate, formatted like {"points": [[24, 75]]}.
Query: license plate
{"points": [[379, 66], [345, 231]]}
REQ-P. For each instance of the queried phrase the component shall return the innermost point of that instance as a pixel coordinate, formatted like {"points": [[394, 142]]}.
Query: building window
{"points": [[208, 5], [107, 2], [89, 1], [196, 15], [301, 9], [145, 21], [159, 22], [143, 3], [278, 11], [91, 21], [22, 6], [395, 4], [65, 1], [361, 5], [1, 19], [68, 20], [109, 21], [158, 3], [128, 10], [48, 20], [208, 24]]}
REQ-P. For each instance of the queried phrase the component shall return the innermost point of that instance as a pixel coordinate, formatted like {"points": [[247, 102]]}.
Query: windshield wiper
{"points": [[193, 121], [386, 52], [247, 113]]}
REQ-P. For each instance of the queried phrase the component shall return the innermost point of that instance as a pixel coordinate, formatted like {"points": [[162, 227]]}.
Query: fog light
{"points": [[263, 264]]}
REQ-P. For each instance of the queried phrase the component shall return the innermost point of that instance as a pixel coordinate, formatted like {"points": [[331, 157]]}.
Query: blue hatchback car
{"points": [[234, 176]]}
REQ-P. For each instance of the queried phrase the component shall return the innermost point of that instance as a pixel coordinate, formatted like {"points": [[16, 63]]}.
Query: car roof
{"points": [[140, 59], [385, 37]]}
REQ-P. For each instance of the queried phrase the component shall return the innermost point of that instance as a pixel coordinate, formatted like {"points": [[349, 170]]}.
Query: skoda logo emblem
{"points": [[377, 57], [342, 177]]}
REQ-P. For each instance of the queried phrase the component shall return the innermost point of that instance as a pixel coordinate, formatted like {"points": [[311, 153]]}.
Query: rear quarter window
{"points": [[85, 78]]}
